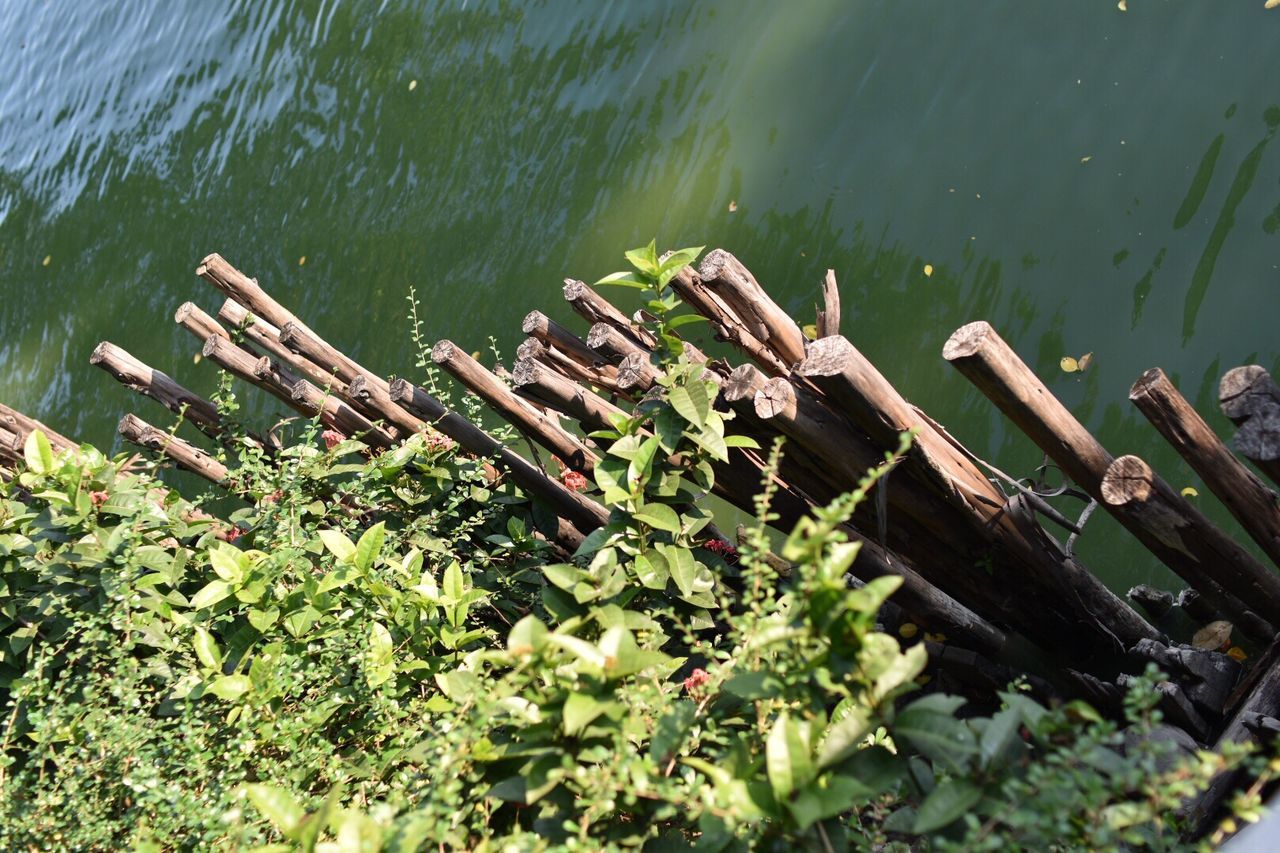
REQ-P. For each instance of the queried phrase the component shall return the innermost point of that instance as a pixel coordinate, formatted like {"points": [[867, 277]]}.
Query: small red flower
{"points": [[332, 438], [724, 549], [273, 497], [436, 441], [98, 498], [574, 481], [694, 683], [235, 533]]}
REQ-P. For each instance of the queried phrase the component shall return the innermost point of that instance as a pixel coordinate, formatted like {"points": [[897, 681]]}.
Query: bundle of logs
{"points": [[996, 592]]}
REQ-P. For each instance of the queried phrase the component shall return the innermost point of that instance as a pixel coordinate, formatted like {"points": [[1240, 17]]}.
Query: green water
{"points": [[1085, 179]]}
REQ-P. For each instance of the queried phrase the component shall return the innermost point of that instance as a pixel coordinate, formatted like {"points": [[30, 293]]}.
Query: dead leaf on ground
{"points": [[1214, 636]]}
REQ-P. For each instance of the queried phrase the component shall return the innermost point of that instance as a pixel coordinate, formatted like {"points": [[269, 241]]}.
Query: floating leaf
{"points": [[1235, 652], [302, 260], [733, 206], [1190, 491], [1271, 4], [1086, 360], [1123, 5], [1215, 635], [47, 259], [810, 331], [1086, 158], [413, 84], [928, 270], [1069, 364]]}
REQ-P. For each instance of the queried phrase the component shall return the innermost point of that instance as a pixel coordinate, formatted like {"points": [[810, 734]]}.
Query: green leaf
{"points": [[948, 802], [527, 636], [37, 453], [379, 660], [579, 710], [229, 562], [642, 463], [787, 757], [646, 259], [685, 320], [937, 735], [659, 516], [370, 546], [207, 649], [683, 568], [278, 806], [338, 544], [626, 279], [1000, 734], [844, 736], [691, 401], [211, 594], [230, 687], [454, 585]]}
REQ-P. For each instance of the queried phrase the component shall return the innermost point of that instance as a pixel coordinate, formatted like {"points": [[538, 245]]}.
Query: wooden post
{"points": [[535, 381], [636, 373], [600, 375], [979, 353], [727, 325], [1244, 391], [1252, 503], [553, 335], [239, 363], [586, 514], [766, 321], [21, 426], [1132, 489], [190, 317], [374, 397], [137, 431], [1259, 442], [267, 337], [336, 414], [159, 386], [829, 315], [523, 416], [594, 308], [612, 345]]}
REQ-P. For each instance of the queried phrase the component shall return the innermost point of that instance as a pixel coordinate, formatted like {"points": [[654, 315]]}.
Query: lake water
{"points": [[1086, 179]]}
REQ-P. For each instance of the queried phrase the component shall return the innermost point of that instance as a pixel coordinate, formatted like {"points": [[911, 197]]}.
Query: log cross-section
{"points": [[767, 322], [594, 308]]}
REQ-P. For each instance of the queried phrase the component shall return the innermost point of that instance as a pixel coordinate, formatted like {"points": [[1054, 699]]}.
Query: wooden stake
{"points": [[726, 324], [20, 426], [374, 397], [267, 338], [1245, 391], [763, 318], [535, 381], [1133, 490], [600, 376], [523, 416], [190, 317], [159, 386], [979, 353], [1251, 502], [611, 345], [594, 308], [336, 414], [553, 335], [189, 457], [636, 373], [829, 314]]}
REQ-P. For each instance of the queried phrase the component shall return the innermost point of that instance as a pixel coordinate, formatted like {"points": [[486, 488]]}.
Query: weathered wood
{"points": [[585, 514], [159, 386], [594, 308], [519, 413], [375, 397], [1208, 677], [336, 414], [767, 322], [611, 345], [235, 284], [266, 337], [829, 315], [1136, 494], [1157, 602], [603, 376], [243, 365], [636, 373], [10, 449], [535, 381], [1244, 391], [982, 356], [1259, 442], [1244, 495], [724, 322], [189, 457], [556, 336], [21, 426], [193, 318]]}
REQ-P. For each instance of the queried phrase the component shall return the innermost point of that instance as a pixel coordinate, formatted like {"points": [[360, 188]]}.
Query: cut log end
{"points": [[574, 290], [211, 345], [1128, 480], [359, 388], [443, 352], [1244, 391], [401, 389], [599, 334], [303, 391], [827, 356], [776, 398], [634, 371], [967, 340], [713, 264], [743, 383], [534, 321], [102, 352], [184, 311], [1148, 380], [1259, 438], [530, 348], [526, 372], [289, 332]]}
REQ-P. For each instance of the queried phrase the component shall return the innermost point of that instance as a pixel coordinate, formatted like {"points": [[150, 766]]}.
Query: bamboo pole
{"points": [[556, 336], [766, 321], [187, 456], [612, 345], [979, 353], [602, 375], [1252, 503], [159, 386], [594, 308], [267, 337], [636, 373], [585, 514], [21, 426], [1130, 488], [535, 381], [523, 416], [336, 414], [726, 324]]}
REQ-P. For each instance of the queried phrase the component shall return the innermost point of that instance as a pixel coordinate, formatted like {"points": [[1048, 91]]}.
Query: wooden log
{"points": [[764, 319], [1133, 490], [1259, 442], [266, 337], [1244, 391], [535, 381], [159, 386], [585, 514], [1249, 501], [1157, 602], [982, 356], [187, 456], [376, 398], [519, 413], [556, 336], [10, 448], [235, 284], [829, 315], [192, 318], [603, 376], [594, 308], [20, 426], [726, 324], [636, 373], [243, 365], [336, 414], [611, 345]]}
